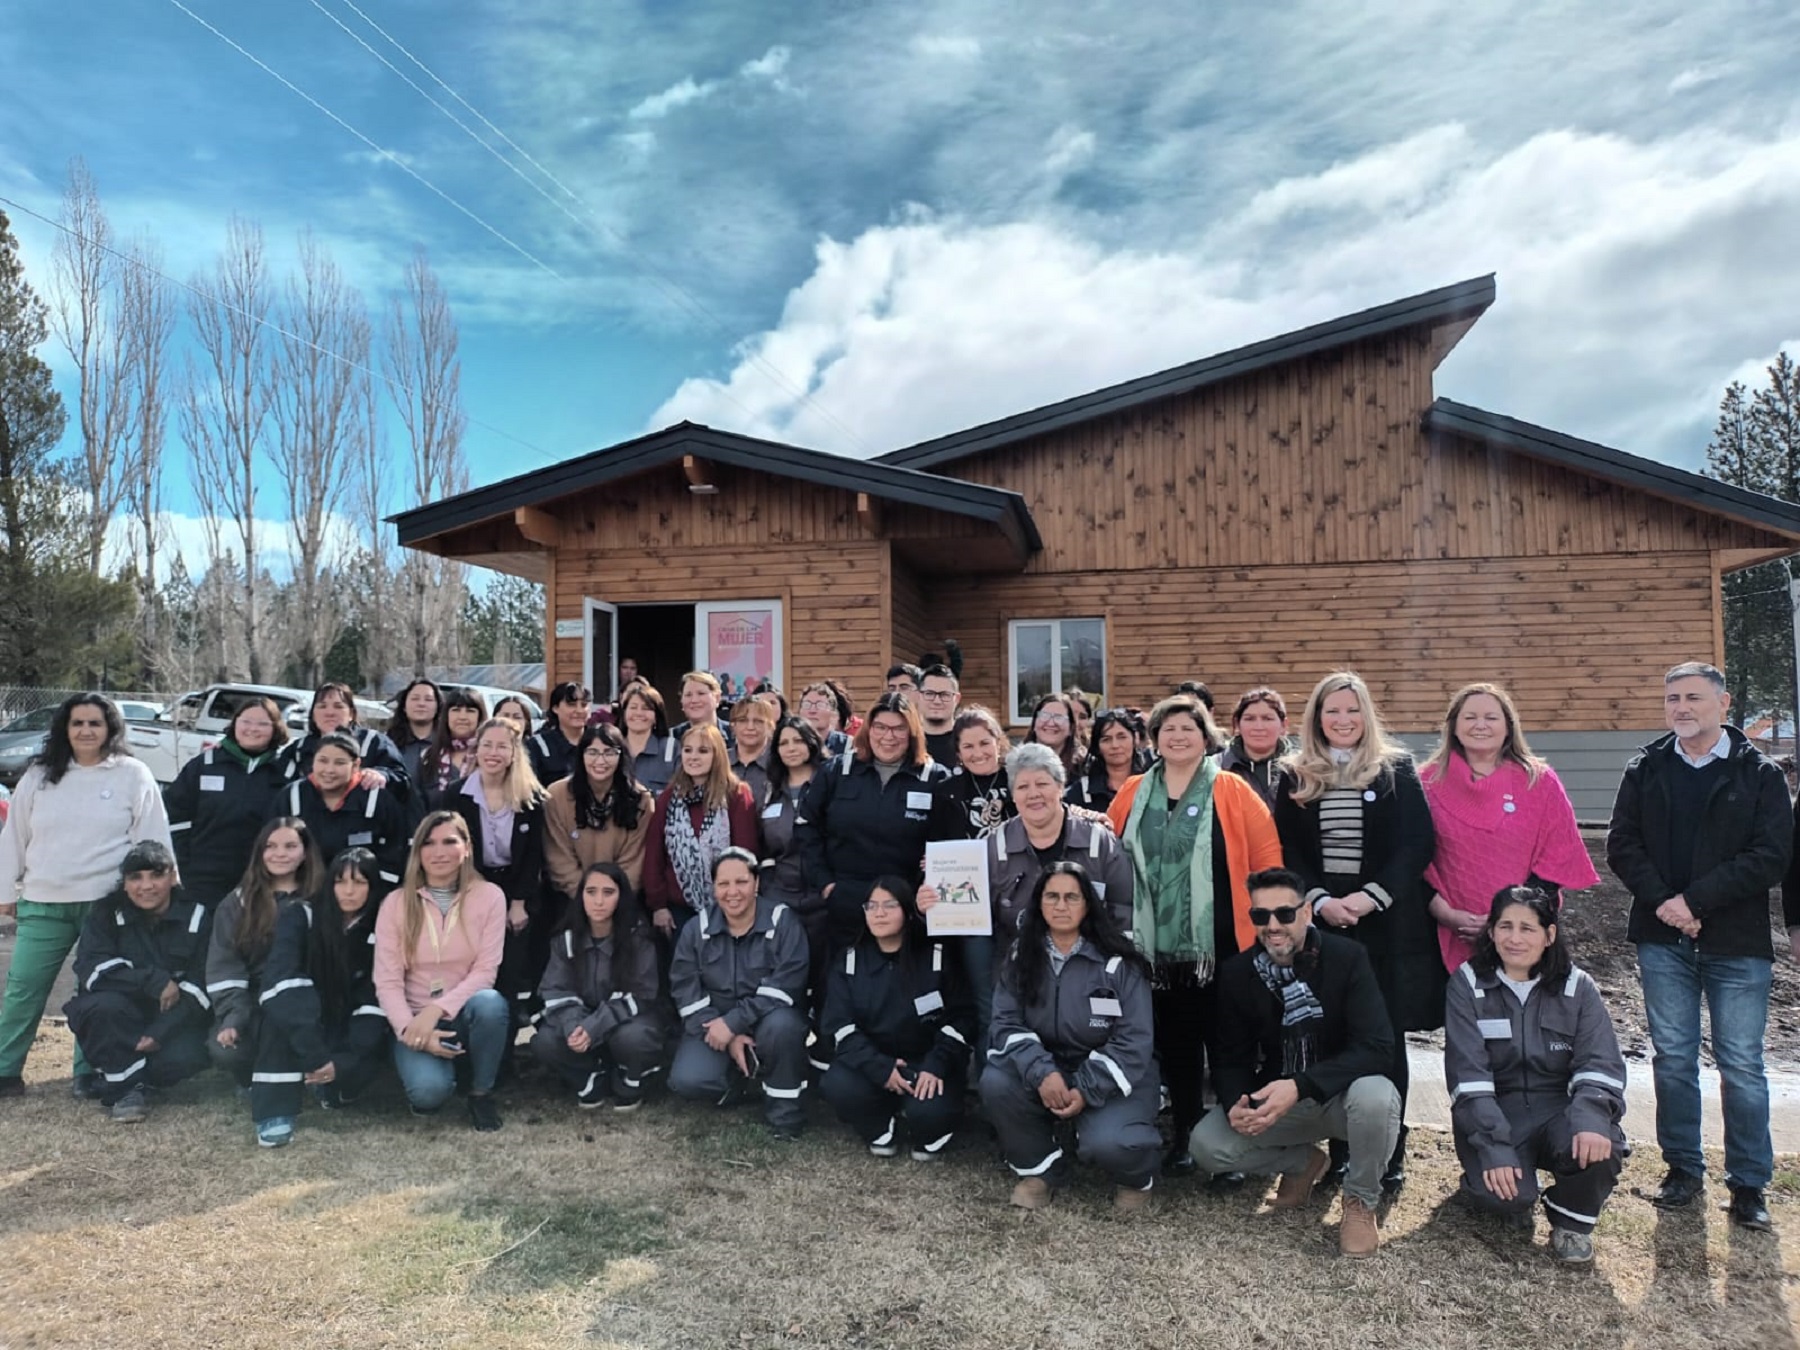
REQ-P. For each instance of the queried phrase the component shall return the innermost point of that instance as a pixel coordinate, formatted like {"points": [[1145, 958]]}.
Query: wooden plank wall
{"points": [[656, 511], [915, 630], [1580, 642]]}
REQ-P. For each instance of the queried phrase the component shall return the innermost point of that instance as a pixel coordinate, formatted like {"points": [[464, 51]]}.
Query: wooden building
{"points": [[1260, 516]]}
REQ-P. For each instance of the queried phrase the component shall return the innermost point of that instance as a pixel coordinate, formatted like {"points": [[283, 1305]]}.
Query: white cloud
{"points": [[947, 46], [678, 95], [1070, 148], [768, 66], [1633, 276], [1695, 76]]}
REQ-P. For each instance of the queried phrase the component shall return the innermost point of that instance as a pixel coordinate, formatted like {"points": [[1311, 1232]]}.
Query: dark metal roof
{"points": [[1001, 506], [1464, 300], [1648, 475]]}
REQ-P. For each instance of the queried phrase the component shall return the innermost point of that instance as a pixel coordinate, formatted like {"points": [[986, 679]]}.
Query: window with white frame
{"points": [[1044, 655]]}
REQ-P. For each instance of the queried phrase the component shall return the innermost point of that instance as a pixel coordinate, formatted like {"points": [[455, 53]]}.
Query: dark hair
{"points": [[1198, 689], [431, 763], [568, 691], [846, 708], [1134, 727], [768, 691], [907, 669], [399, 728], [1027, 964], [913, 940], [735, 853], [278, 734], [901, 706], [648, 692], [57, 754], [1554, 965], [1276, 878], [1074, 750], [622, 802], [1192, 706], [147, 855], [339, 740], [815, 750], [631, 922], [524, 707], [333, 948], [938, 670], [343, 692], [256, 925], [1261, 694]]}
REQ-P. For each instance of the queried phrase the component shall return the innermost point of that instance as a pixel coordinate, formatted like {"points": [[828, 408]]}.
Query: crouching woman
{"points": [[602, 1028], [140, 1013], [902, 1022], [1071, 1039], [1535, 1075], [739, 980], [437, 952], [321, 1025]]}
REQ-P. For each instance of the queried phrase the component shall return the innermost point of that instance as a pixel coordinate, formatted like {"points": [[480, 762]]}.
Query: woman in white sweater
{"points": [[79, 808]]}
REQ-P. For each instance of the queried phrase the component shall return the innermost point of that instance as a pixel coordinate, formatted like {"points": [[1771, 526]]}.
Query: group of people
{"points": [[735, 902]]}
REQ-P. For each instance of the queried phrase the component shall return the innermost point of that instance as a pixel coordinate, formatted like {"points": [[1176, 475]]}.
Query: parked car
{"points": [[492, 696], [137, 710], [23, 737]]}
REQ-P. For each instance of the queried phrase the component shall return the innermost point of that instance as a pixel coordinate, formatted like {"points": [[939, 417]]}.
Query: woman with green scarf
{"points": [[1194, 835], [222, 798]]}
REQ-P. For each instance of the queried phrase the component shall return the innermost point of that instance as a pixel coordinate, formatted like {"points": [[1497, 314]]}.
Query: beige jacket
{"points": [[569, 849]]}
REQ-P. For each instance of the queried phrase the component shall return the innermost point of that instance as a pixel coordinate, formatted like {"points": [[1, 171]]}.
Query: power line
{"points": [[131, 260], [671, 288]]}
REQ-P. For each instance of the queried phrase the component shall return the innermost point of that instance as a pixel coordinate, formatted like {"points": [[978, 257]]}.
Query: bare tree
{"points": [[377, 571], [146, 322], [225, 410], [319, 393], [87, 279], [424, 378]]}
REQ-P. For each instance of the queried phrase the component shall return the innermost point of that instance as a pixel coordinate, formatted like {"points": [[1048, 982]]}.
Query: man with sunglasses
{"points": [[1304, 1040]]}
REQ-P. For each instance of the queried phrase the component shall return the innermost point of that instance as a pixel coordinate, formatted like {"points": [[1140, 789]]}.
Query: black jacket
{"points": [[124, 950], [523, 877], [583, 986], [1743, 842], [378, 753], [1354, 1039], [853, 830], [216, 808], [371, 818], [878, 1011], [552, 754], [967, 808], [1265, 775], [291, 999]]}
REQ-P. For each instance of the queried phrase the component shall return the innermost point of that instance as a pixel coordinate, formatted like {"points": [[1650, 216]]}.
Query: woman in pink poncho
{"points": [[1501, 815]]}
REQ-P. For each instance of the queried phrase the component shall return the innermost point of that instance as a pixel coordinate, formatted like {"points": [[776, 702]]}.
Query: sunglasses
{"points": [[1261, 918]]}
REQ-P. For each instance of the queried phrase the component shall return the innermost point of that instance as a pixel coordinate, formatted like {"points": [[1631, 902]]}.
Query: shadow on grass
{"points": [[566, 1242]]}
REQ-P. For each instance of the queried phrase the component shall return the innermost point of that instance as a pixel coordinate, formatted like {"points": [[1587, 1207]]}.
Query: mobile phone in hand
{"points": [[451, 1044]]}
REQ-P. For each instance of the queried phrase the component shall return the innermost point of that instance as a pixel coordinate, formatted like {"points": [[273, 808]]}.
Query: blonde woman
{"points": [[501, 803], [438, 942], [1355, 826], [1502, 819], [705, 810]]}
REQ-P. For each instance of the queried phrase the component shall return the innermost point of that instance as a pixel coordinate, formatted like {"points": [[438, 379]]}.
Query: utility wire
{"points": [[134, 261], [590, 220]]}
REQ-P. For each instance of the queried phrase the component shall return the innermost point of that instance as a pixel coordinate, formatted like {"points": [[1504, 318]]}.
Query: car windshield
{"points": [[37, 720]]}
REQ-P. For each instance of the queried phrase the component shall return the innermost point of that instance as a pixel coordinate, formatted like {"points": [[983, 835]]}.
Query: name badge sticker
{"points": [[362, 840], [1495, 1028], [928, 1003], [918, 801], [1101, 1006], [212, 782], [772, 812]]}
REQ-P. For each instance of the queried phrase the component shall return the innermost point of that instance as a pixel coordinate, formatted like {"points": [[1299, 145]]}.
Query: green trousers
{"points": [[45, 938]]}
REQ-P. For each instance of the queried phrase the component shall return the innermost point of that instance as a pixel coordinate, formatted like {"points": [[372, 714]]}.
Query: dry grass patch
{"points": [[678, 1227]]}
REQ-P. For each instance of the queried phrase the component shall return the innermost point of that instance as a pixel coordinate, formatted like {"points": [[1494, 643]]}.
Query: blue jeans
{"points": [[1736, 988], [483, 1026]]}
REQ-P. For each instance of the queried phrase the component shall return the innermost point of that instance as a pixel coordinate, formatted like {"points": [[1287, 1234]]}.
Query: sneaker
{"points": [[784, 1134], [329, 1097], [275, 1132], [592, 1094], [1677, 1189], [622, 1107], [85, 1087], [1571, 1248], [925, 1155], [1357, 1233], [11, 1085], [132, 1108], [1297, 1187], [1127, 1200], [483, 1114], [888, 1150], [1032, 1193]]}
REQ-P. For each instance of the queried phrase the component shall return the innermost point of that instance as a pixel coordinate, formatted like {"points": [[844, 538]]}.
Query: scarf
{"points": [[691, 853], [233, 751], [449, 766], [1299, 1007], [1172, 871]]}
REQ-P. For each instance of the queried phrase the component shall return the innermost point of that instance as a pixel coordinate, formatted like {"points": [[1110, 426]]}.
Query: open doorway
{"points": [[660, 638]]}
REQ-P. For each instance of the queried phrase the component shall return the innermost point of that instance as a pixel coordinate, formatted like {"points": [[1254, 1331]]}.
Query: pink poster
{"points": [[741, 643]]}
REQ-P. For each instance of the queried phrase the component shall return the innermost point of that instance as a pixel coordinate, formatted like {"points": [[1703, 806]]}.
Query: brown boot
{"points": [[1032, 1193], [1357, 1233], [1297, 1187], [1127, 1201]]}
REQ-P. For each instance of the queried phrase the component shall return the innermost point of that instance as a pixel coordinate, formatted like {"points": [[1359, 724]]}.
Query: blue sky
{"points": [[855, 225]]}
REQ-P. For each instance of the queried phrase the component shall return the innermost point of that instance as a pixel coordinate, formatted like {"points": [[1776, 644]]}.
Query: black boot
{"points": [[1336, 1169], [1395, 1175]]}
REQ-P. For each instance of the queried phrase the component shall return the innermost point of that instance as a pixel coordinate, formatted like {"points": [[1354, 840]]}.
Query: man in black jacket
{"points": [[1304, 1044], [1701, 830]]}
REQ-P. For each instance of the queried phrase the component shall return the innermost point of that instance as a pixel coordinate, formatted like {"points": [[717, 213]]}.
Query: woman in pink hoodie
{"points": [[1501, 815], [437, 950]]}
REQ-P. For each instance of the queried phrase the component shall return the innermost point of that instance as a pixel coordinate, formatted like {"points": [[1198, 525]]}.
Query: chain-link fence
{"points": [[18, 701]]}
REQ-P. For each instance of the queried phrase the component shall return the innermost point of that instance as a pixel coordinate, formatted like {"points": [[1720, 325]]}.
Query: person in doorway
{"points": [[81, 805], [1701, 829], [552, 747], [1258, 742], [939, 693], [628, 670], [1304, 1043], [222, 798]]}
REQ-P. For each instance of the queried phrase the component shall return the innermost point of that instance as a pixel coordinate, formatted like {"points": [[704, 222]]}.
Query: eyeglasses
{"points": [[1062, 901], [888, 730], [880, 906], [1261, 918], [816, 705], [1051, 720], [937, 695], [600, 752]]}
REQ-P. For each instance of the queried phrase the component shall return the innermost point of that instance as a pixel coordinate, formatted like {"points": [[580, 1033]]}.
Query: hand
{"points": [[423, 1024], [664, 921], [579, 1041], [1676, 914], [718, 1035], [8, 910], [1072, 1108], [927, 1086], [228, 1037], [1503, 1181], [1468, 926], [926, 898], [1273, 1102], [1053, 1092], [1242, 1116], [325, 1073], [148, 1045], [516, 917], [740, 1044], [896, 1081], [374, 778], [1589, 1148], [435, 1044], [169, 997], [830, 886], [1359, 904]]}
